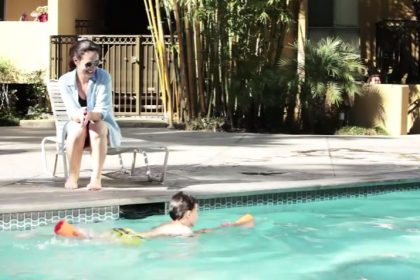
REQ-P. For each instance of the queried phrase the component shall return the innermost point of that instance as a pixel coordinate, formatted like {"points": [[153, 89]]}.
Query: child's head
{"points": [[183, 207]]}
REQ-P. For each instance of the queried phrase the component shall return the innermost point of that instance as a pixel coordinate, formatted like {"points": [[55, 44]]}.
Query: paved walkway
{"points": [[207, 165]]}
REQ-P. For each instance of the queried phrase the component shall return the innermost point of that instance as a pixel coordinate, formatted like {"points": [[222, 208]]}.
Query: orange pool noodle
{"points": [[63, 228], [245, 219]]}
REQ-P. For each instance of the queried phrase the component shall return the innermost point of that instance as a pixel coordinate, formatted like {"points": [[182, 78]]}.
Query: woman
{"points": [[86, 93]]}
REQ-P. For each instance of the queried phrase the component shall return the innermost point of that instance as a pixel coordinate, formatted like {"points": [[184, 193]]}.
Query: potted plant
{"points": [[40, 13]]}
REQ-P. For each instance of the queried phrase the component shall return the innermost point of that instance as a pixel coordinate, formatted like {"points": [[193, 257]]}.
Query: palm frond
{"points": [[333, 93]]}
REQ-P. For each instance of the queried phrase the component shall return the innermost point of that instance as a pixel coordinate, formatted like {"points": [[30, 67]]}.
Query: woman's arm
{"points": [[74, 112], [103, 97]]}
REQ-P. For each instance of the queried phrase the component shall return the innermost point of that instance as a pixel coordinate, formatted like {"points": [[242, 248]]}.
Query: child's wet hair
{"points": [[180, 204]]}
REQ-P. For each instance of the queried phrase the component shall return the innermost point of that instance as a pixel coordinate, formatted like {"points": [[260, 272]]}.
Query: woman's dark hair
{"points": [[180, 204], [78, 50]]}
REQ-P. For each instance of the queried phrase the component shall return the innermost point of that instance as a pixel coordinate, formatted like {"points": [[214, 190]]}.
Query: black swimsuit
{"points": [[83, 103]]}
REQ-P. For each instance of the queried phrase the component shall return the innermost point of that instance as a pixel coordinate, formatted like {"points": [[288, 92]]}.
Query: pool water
{"points": [[375, 237]]}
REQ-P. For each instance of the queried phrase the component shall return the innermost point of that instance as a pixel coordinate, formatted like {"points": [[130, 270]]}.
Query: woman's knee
{"points": [[76, 132], [98, 130]]}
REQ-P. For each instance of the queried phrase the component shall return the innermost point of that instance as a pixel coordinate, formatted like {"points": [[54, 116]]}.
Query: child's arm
{"points": [[149, 234], [246, 220]]}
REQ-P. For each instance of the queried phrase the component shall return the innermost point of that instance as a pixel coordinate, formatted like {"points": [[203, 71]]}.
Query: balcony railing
{"points": [[130, 59], [397, 51]]}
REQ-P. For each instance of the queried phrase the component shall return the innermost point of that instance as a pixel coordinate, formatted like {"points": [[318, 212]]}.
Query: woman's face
{"points": [[86, 66]]}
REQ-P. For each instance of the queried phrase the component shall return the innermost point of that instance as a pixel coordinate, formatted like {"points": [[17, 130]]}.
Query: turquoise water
{"points": [[376, 237]]}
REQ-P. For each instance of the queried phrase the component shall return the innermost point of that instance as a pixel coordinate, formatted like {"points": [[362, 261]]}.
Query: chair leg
{"points": [[66, 171], [55, 164], [133, 163], [44, 158], [121, 163], [146, 162], [165, 163]]}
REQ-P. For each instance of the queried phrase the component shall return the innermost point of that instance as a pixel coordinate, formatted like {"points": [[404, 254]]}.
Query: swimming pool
{"points": [[374, 237]]}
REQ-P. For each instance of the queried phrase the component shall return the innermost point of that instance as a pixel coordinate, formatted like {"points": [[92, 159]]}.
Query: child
{"points": [[183, 210]]}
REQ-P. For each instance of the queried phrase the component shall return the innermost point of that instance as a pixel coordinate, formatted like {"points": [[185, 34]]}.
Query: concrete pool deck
{"points": [[207, 164]]}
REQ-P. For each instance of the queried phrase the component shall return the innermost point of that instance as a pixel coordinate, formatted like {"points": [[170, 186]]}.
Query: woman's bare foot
{"points": [[94, 187], [71, 184]]}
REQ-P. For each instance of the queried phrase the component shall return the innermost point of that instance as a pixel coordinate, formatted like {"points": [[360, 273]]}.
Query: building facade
{"points": [[28, 44]]}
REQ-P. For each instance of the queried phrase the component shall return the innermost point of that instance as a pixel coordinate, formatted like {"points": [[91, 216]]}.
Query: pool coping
{"points": [[136, 195], [223, 195]]}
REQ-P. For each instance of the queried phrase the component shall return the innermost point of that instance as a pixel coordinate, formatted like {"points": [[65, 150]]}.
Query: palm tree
{"points": [[331, 71]]}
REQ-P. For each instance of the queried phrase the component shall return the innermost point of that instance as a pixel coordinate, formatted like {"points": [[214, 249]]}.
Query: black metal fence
{"points": [[130, 59], [397, 51]]}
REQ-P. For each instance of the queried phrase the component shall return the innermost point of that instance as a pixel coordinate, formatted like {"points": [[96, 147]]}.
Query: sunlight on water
{"points": [[376, 237]]}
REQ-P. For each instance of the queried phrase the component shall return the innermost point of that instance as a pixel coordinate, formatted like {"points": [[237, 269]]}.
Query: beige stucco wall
{"points": [[14, 8], [29, 50], [383, 105], [26, 44], [66, 12]]}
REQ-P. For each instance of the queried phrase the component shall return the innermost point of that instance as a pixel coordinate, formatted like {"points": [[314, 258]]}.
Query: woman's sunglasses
{"points": [[92, 63]]}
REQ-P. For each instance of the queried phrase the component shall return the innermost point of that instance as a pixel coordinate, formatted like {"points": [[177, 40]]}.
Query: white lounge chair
{"points": [[128, 145]]}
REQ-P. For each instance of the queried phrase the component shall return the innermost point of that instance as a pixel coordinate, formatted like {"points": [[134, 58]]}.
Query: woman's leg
{"points": [[98, 134], [75, 142]]}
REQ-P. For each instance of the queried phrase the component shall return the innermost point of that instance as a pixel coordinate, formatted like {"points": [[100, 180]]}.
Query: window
{"points": [[334, 18], [1, 10]]}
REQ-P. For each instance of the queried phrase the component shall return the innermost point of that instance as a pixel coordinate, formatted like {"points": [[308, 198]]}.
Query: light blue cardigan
{"points": [[99, 99]]}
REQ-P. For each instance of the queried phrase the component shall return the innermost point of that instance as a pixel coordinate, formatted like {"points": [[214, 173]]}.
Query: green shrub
{"points": [[7, 100], [8, 120], [213, 124], [358, 130], [37, 96], [22, 95], [8, 72]]}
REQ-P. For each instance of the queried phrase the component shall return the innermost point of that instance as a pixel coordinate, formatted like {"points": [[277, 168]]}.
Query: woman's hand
{"points": [[83, 116], [79, 115], [89, 117]]}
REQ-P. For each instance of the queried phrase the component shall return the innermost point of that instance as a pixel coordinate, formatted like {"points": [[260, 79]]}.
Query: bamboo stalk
{"points": [[165, 65], [200, 74], [219, 61], [210, 50], [185, 104], [160, 52], [176, 71], [190, 62]]}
